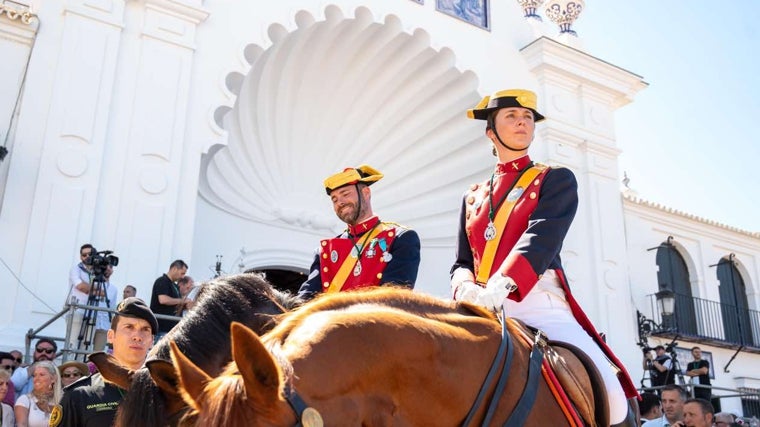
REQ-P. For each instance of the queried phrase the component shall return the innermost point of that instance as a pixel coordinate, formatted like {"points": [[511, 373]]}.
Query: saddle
{"points": [[577, 376]]}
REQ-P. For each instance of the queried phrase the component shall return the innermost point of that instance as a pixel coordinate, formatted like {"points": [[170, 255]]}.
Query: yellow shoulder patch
{"points": [[55, 416]]}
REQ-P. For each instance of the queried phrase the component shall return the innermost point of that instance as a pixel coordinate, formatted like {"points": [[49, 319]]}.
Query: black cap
{"points": [[135, 307]]}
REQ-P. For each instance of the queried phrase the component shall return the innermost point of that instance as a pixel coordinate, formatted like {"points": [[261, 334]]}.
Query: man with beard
{"points": [[369, 252]]}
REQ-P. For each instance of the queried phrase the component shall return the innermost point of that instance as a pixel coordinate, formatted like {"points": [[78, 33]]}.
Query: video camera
{"points": [[99, 261]]}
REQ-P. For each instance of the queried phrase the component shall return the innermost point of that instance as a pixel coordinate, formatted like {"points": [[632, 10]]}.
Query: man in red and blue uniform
{"points": [[511, 231], [369, 252]]}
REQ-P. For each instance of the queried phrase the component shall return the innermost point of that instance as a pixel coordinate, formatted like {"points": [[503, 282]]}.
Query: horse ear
{"points": [[260, 373], [165, 377], [192, 379], [110, 368]]}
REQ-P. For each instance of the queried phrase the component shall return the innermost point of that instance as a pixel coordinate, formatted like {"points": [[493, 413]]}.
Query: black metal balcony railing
{"points": [[720, 324]]}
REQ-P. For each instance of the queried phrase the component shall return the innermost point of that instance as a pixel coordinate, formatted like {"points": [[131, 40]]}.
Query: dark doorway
{"points": [[284, 280], [674, 275], [733, 303]]}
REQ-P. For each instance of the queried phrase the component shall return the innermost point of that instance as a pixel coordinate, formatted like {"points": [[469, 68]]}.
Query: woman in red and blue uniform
{"points": [[511, 231]]}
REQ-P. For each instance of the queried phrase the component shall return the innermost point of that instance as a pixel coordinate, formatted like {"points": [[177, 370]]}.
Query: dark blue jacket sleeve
{"points": [[549, 223], [402, 269], [313, 284], [464, 252]]}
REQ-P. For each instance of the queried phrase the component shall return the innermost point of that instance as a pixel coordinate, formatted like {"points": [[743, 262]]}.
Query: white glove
{"points": [[459, 276], [468, 291], [496, 291]]}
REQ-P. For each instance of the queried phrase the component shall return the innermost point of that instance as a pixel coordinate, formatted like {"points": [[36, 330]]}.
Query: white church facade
{"points": [[188, 129]]}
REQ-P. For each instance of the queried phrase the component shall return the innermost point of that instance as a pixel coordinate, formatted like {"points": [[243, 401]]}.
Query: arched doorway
{"points": [[673, 275], [734, 308]]}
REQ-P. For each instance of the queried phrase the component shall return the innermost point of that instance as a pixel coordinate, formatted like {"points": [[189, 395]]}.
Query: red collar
{"points": [[363, 227], [514, 166]]}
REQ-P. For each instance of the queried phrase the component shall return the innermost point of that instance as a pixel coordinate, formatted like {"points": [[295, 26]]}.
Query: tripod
{"points": [[98, 293]]}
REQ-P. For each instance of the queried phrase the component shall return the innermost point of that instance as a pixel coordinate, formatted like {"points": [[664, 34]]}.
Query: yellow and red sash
{"points": [[500, 222], [339, 269]]}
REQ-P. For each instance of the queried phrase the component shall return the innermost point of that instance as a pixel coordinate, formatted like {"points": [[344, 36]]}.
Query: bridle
{"points": [[528, 397], [306, 416]]}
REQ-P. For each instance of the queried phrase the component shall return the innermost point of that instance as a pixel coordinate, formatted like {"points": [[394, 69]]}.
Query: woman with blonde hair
{"points": [[33, 409], [6, 412]]}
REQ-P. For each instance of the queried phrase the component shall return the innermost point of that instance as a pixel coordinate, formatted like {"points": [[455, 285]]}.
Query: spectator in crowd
{"points": [[649, 407], [7, 366], [165, 296], [369, 252], [725, 419], [697, 413], [18, 358], [44, 350], [91, 401], [129, 291], [7, 417], [33, 409], [80, 277], [660, 368], [699, 372], [673, 399], [188, 291], [72, 371]]}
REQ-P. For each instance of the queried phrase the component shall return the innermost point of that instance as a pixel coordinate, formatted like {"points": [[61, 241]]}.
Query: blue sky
{"points": [[690, 140]]}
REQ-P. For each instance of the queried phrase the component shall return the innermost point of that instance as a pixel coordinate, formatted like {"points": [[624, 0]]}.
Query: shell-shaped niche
{"points": [[341, 92]]}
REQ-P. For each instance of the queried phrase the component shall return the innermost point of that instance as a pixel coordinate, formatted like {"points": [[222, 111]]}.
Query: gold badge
{"points": [[55, 416], [311, 418]]}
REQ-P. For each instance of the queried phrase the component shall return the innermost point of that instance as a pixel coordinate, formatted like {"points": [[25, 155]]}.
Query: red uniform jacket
{"points": [[532, 238]]}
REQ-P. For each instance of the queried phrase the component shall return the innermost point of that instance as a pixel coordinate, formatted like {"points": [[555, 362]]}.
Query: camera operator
{"points": [[660, 367], [79, 289]]}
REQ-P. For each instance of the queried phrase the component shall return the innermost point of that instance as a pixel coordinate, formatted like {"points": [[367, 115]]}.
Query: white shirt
{"points": [[9, 419], [77, 275], [37, 418], [658, 422]]}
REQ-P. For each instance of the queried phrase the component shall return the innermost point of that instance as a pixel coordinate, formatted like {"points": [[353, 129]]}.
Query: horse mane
{"points": [[397, 297], [203, 335], [225, 399]]}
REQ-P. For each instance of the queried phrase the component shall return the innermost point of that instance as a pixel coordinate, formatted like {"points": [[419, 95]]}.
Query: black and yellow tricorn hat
{"points": [[361, 174], [503, 99]]}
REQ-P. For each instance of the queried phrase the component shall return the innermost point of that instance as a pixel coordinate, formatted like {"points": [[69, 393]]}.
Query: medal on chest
{"points": [[490, 232]]}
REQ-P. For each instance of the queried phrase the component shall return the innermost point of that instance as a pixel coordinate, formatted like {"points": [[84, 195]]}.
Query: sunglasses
{"points": [[19, 360], [44, 350], [7, 367], [73, 374]]}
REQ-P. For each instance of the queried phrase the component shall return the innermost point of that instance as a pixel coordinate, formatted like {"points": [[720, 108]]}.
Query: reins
{"points": [[528, 397]]}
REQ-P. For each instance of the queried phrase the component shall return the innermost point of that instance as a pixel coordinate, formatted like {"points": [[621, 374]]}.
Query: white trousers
{"points": [[546, 308]]}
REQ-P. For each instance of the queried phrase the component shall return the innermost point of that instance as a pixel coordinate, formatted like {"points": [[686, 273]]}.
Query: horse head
{"points": [[245, 394], [204, 336], [359, 358]]}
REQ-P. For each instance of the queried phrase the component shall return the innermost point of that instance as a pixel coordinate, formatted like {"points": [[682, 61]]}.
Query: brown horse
{"points": [[385, 357], [203, 335]]}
